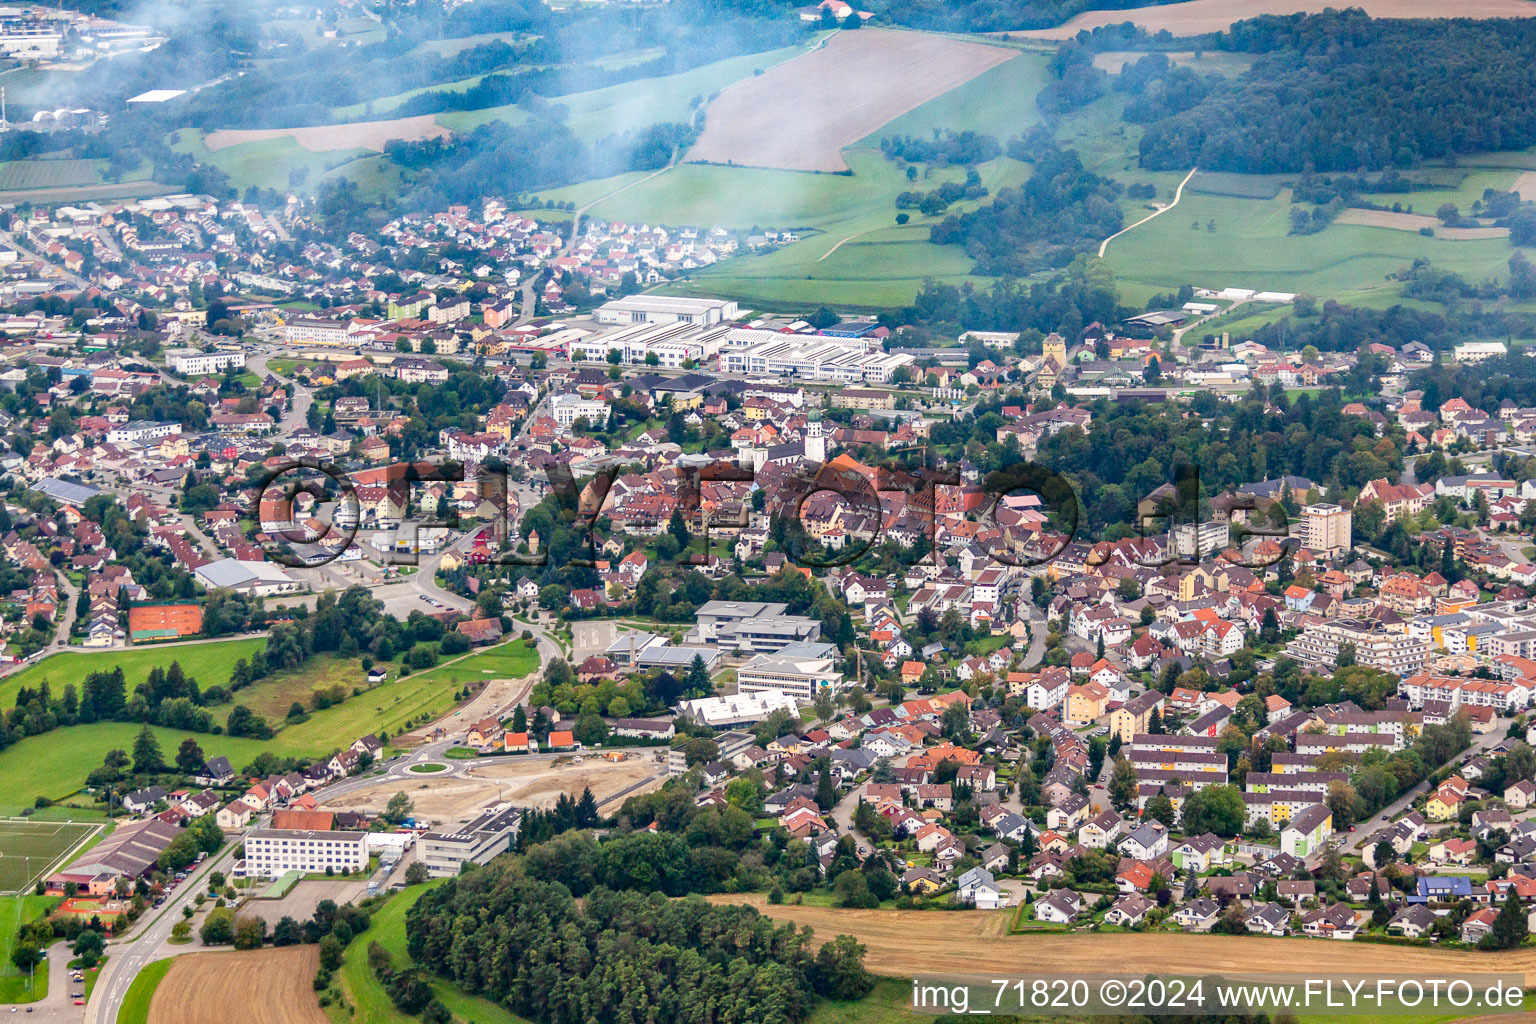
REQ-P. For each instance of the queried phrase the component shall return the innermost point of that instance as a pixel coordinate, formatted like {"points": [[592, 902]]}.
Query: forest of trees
{"points": [[1334, 327], [1132, 449], [993, 16], [1068, 302], [624, 955], [1456, 86], [942, 149], [1045, 222]]}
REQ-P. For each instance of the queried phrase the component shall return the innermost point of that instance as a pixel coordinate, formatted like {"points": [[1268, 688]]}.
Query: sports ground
{"points": [[29, 849]]}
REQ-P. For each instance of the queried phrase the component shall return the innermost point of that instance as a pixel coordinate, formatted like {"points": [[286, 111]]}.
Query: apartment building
{"points": [[1326, 529], [271, 852], [188, 361], [1374, 647], [567, 409]]}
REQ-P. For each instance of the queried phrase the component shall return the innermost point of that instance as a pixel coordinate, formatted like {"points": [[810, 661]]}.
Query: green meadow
{"points": [[1251, 247], [55, 764]]}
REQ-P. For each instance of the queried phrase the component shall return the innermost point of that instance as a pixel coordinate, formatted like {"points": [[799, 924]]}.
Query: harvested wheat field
{"points": [[901, 943], [800, 114], [258, 986], [327, 137], [1525, 186], [1199, 16], [1415, 222]]}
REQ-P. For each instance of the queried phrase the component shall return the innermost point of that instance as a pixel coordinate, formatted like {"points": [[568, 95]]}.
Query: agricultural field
{"points": [[1196, 17], [1416, 222], [449, 47], [55, 764], [858, 256], [998, 102], [1251, 247], [620, 108], [506, 661], [384, 104], [328, 138], [372, 1004], [29, 848], [259, 986], [977, 942], [88, 193], [282, 163], [855, 82], [27, 174]]}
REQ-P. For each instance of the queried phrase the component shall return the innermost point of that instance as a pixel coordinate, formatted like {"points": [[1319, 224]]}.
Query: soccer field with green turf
{"points": [[29, 848]]}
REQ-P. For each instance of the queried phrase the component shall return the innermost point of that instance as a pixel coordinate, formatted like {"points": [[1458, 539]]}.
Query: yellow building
{"points": [[1133, 716], [1085, 703], [1055, 347]]}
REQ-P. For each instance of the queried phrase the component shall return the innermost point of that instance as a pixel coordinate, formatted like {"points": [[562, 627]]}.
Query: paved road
{"points": [[64, 619], [146, 943], [59, 1003], [1383, 817], [297, 415], [53, 270]]}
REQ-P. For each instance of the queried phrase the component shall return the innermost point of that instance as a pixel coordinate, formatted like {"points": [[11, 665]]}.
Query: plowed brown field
{"points": [[259, 986], [906, 943], [327, 137], [801, 113]]}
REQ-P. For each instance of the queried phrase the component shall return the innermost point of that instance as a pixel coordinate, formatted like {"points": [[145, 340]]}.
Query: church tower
{"points": [[815, 440]]}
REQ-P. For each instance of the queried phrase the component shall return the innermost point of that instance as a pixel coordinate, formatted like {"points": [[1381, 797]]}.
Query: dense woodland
{"points": [[1061, 210], [1133, 449], [995, 16], [624, 956], [1377, 94], [500, 159]]}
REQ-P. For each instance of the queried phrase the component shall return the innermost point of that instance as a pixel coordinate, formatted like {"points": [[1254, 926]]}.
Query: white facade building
{"points": [[271, 852], [567, 409], [187, 361]]}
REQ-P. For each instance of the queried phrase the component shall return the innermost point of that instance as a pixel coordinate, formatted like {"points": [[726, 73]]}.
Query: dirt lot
{"points": [[834, 95], [1415, 221], [540, 785], [302, 899], [266, 986], [527, 783], [1199, 16], [324, 138], [901, 944], [1525, 186]]}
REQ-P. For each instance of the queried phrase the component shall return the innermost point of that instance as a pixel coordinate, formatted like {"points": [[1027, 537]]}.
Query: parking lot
{"points": [[303, 898], [589, 638]]}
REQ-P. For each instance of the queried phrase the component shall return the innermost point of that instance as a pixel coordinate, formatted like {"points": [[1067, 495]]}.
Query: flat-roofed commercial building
{"points": [[651, 309], [446, 853], [802, 670]]}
